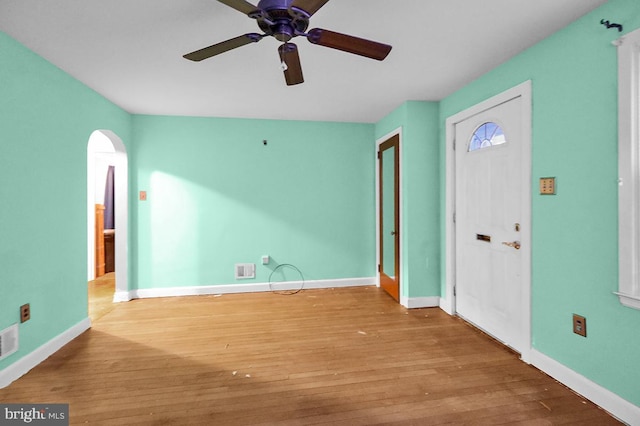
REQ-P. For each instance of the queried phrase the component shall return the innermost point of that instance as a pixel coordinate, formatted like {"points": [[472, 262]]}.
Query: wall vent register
{"points": [[8, 341], [245, 271]]}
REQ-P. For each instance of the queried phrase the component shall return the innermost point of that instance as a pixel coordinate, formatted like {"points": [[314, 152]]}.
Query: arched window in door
{"points": [[487, 135]]}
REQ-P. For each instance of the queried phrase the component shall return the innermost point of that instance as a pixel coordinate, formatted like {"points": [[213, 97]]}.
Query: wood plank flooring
{"points": [[340, 356], [101, 292]]}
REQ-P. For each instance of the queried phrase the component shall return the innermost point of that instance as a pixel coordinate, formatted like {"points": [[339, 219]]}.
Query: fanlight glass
{"points": [[487, 135]]}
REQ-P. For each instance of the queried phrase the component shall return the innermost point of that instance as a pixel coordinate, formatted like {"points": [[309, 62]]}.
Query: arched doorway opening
{"points": [[106, 150]]}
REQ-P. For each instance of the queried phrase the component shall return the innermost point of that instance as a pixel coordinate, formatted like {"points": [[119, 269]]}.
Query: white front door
{"points": [[490, 187]]}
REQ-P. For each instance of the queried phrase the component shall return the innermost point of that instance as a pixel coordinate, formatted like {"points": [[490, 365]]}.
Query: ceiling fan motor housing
{"points": [[284, 20], [281, 21]]}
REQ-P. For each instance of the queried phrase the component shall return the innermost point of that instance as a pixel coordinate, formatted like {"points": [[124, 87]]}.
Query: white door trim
{"points": [[448, 302], [403, 300]]}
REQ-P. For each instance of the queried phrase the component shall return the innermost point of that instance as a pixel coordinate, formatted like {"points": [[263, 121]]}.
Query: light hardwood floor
{"points": [[101, 292], [341, 357]]}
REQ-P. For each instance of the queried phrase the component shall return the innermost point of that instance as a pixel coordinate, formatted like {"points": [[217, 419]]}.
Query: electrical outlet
{"points": [[25, 313], [580, 325]]}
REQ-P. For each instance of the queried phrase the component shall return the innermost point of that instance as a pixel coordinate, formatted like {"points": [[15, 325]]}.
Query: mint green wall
{"points": [[420, 210], [574, 260], [46, 118], [217, 196]]}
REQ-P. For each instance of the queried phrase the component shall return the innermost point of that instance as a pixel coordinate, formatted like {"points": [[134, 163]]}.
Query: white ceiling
{"points": [[131, 51]]}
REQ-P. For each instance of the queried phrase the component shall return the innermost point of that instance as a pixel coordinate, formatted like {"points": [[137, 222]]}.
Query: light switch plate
{"points": [[547, 186]]}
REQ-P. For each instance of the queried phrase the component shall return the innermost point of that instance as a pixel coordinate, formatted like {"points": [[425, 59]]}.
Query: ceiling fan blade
{"points": [[291, 64], [240, 5], [309, 6], [347, 43], [222, 47]]}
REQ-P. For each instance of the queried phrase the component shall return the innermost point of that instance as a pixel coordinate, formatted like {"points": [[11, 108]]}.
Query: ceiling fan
{"points": [[284, 20]]}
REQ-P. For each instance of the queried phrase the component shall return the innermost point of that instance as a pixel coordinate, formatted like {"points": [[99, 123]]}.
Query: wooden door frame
{"points": [[380, 141], [448, 302]]}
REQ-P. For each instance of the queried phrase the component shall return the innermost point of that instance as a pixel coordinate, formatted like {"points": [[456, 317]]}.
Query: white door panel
{"points": [[489, 188]]}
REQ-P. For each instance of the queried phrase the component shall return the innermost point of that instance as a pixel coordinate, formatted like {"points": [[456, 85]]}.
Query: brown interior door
{"points": [[99, 229], [389, 197]]}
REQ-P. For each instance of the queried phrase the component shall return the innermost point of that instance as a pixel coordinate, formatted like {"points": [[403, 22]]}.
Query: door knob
{"points": [[393, 232], [514, 244]]}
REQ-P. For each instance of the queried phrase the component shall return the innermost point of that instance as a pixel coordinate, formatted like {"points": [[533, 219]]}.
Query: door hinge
{"points": [[454, 218], [454, 144], [454, 290], [379, 155], [379, 268]]}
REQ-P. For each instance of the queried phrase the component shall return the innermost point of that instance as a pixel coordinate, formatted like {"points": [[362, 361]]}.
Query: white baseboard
{"points": [[609, 401], [244, 288], [420, 302], [21, 367], [447, 306], [121, 296]]}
